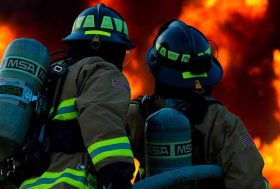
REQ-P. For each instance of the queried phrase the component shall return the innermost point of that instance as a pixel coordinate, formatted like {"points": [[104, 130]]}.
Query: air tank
{"points": [[22, 73], [168, 141]]}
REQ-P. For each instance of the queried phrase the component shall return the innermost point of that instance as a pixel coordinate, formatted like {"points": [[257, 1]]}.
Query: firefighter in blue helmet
{"points": [[88, 144], [185, 71]]}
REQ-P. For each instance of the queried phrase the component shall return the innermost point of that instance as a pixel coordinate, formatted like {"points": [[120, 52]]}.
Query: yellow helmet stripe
{"points": [[97, 32], [188, 75]]}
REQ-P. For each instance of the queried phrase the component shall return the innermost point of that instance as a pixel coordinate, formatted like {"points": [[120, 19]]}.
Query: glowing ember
{"points": [[6, 36]]}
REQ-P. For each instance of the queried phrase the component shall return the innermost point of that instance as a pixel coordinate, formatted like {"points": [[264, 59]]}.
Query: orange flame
{"points": [[210, 16], [6, 36], [270, 152], [276, 82], [272, 161]]}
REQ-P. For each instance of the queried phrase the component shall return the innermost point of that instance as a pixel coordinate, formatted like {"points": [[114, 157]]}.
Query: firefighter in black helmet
{"points": [[185, 72], [87, 138]]}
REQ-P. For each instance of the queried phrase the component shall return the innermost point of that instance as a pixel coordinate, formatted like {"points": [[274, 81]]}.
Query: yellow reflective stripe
{"points": [[110, 148], [208, 51], [66, 116], [107, 23], [97, 32], [118, 23], [107, 142], [67, 176], [66, 110], [187, 75], [162, 51], [78, 22], [185, 58], [68, 102], [125, 30], [172, 55], [157, 46], [112, 153], [89, 22]]}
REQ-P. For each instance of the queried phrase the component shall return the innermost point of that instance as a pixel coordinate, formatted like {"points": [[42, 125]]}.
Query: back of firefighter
{"points": [[88, 143], [185, 70]]}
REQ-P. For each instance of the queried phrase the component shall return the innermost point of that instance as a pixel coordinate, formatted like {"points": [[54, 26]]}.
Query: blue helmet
{"points": [[181, 57], [100, 22]]}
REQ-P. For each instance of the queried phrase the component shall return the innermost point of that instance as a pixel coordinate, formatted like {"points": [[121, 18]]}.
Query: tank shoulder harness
{"points": [[148, 106]]}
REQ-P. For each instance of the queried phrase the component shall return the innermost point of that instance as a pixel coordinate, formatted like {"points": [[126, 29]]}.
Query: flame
{"points": [[272, 161], [276, 82], [6, 35], [210, 16]]}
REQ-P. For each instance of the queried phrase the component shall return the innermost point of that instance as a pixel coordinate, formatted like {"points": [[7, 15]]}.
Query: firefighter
{"points": [[86, 138], [185, 70]]}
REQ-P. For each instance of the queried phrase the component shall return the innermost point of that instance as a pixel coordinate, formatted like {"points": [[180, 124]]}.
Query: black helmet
{"points": [[101, 23], [181, 57]]}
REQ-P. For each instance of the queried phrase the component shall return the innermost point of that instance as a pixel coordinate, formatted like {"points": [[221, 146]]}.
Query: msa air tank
{"points": [[168, 141], [22, 73]]}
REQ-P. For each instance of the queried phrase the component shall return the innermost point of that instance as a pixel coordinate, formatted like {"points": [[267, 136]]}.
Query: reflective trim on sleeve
{"points": [[110, 148], [75, 178], [66, 110]]}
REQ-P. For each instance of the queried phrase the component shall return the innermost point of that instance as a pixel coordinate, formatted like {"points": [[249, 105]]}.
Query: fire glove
{"points": [[116, 176]]}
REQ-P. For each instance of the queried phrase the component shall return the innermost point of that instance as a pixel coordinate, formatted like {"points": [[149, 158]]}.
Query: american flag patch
{"points": [[247, 141], [119, 84]]}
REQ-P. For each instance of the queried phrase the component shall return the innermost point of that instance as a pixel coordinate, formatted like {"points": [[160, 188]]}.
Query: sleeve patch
{"points": [[120, 84], [247, 141]]}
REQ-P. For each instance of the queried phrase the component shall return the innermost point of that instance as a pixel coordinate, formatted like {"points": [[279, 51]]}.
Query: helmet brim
{"points": [[174, 77], [114, 38]]}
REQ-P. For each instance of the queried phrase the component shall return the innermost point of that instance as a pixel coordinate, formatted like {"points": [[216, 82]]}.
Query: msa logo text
{"points": [[22, 65], [158, 150], [25, 66], [182, 149]]}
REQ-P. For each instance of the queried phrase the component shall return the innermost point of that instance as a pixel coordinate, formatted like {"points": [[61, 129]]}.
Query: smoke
{"points": [[247, 87]]}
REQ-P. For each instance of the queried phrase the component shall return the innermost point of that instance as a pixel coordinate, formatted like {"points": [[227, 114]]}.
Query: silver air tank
{"points": [[22, 72], [168, 141]]}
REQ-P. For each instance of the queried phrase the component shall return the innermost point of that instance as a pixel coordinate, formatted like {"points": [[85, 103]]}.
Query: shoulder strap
{"points": [[147, 105], [196, 108], [58, 72]]}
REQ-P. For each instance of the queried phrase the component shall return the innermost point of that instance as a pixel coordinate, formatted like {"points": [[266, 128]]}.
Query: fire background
{"points": [[246, 32]]}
